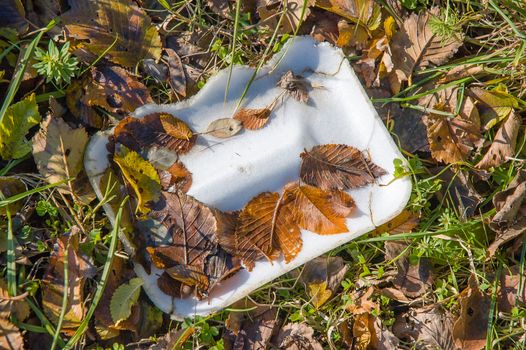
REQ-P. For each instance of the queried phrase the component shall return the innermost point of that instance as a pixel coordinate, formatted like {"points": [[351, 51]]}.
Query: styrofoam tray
{"points": [[227, 173]]}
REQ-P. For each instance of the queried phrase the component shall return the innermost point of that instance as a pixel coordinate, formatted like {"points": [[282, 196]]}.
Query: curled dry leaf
{"points": [[159, 130], [338, 167], [509, 221], [122, 31], [224, 127], [297, 336], [253, 119], [250, 329], [79, 269], [426, 328], [58, 151], [415, 46], [452, 140], [115, 90], [503, 145], [140, 175], [470, 328], [296, 86]]}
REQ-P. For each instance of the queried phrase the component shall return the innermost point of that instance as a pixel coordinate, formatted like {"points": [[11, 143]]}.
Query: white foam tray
{"points": [[227, 173]]}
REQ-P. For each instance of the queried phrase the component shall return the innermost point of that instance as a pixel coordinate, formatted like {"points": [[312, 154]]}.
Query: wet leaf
{"points": [[115, 90], [79, 269], [141, 176], [509, 221], [495, 105], [296, 86], [427, 328], [224, 127], [338, 167], [118, 21], [415, 46], [58, 151], [470, 328], [10, 186], [155, 130], [123, 299], [452, 140], [503, 145], [297, 336], [253, 119], [251, 329], [18, 119]]}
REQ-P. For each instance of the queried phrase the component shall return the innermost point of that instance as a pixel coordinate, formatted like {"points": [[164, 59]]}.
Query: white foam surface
{"points": [[227, 173]]}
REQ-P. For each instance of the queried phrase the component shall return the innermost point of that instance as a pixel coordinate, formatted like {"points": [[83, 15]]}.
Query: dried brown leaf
{"points": [[155, 130], [297, 336], [404, 222], [224, 127], [176, 177], [122, 31], [503, 145], [296, 86], [10, 336], [177, 77], [509, 295], [11, 186], [270, 10], [338, 167], [115, 90], [470, 328], [415, 46], [253, 119]]}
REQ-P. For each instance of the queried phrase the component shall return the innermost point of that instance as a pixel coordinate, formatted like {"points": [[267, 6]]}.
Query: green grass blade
{"points": [[22, 195], [233, 49], [48, 326], [19, 73], [103, 280]]}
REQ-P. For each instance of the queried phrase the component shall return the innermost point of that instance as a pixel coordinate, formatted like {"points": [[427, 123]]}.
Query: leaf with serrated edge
{"points": [[141, 176], [124, 297], [253, 119], [339, 167]]}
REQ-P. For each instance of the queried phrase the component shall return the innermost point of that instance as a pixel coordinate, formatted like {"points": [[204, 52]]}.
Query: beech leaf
{"points": [[58, 150], [123, 298], [141, 176], [18, 119], [121, 30], [155, 130], [339, 167], [224, 127], [253, 119]]}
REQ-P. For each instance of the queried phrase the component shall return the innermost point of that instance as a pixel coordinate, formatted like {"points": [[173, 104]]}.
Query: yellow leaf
{"points": [[389, 27], [319, 293], [141, 176]]}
